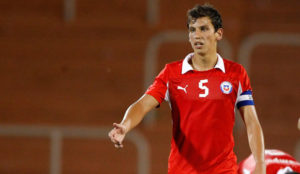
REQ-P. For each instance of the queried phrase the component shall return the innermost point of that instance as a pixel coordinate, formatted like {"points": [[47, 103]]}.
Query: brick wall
{"points": [[87, 72]]}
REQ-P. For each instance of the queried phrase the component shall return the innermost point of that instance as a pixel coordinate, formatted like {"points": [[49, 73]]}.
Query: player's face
{"points": [[202, 35]]}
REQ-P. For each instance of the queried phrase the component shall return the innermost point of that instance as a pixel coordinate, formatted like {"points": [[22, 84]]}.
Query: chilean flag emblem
{"points": [[226, 87]]}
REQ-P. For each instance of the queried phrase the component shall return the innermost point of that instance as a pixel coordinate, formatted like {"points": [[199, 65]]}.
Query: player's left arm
{"points": [[255, 137]]}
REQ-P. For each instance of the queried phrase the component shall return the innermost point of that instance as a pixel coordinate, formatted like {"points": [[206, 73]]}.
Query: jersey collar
{"points": [[187, 67]]}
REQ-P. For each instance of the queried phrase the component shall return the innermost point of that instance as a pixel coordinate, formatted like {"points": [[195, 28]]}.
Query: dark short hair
{"points": [[205, 10], [291, 173]]}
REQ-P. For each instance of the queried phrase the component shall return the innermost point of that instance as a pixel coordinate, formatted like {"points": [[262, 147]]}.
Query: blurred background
{"points": [[70, 68]]}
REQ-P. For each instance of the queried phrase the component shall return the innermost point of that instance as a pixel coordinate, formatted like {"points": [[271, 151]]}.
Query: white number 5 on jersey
{"points": [[201, 86]]}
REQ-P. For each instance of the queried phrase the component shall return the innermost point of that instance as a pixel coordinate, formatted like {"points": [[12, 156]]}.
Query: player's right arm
{"points": [[135, 113], [133, 116]]}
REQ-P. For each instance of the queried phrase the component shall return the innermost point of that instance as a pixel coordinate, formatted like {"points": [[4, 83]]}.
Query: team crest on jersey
{"points": [[226, 87]]}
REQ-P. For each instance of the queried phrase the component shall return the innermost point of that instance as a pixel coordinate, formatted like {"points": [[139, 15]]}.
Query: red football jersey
{"points": [[277, 162], [202, 105]]}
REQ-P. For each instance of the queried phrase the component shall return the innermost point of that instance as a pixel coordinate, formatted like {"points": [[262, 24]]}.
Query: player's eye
{"points": [[192, 29], [203, 28]]}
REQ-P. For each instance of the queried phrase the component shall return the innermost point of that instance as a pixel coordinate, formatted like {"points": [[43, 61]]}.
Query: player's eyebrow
{"points": [[204, 25]]}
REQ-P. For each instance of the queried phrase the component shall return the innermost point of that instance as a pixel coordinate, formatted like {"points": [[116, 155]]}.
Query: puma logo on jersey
{"points": [[182, 88]]}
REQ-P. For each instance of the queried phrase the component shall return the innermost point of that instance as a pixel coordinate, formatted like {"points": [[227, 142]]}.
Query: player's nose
{"points": [[197, 34]]}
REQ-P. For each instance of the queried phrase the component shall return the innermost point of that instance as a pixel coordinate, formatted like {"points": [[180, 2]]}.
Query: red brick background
{"points": [[88, 71]]}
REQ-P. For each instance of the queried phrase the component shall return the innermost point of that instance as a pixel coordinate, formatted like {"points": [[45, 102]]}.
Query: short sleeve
{"points": [[244, 96], [158, 89]]}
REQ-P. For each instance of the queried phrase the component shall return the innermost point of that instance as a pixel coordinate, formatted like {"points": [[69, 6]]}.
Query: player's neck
{"points": [[204, 62]]}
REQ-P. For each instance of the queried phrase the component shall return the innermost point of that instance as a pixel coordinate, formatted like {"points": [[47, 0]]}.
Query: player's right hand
{"points": [[117, 135]]}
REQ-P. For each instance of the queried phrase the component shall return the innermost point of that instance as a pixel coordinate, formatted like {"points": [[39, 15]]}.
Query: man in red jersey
{"points": [[203, 90], [277, 162]]}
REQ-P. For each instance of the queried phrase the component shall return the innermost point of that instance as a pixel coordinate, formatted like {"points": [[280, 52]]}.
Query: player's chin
{"points": [[199, 51]]}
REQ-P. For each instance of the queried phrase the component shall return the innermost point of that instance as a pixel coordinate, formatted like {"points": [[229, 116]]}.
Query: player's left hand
{"points": [[260, 168]]}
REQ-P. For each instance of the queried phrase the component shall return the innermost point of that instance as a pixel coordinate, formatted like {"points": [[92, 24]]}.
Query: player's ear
{"points": [[219, 34]]}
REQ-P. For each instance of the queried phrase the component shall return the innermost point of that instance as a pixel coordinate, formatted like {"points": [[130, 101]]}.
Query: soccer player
{"points": [[277, 162], [202, 90]]}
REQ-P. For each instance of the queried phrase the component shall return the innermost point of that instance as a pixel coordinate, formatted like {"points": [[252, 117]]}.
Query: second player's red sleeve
{"points": [[159, 87], [277, 162]]}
